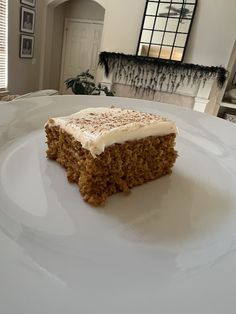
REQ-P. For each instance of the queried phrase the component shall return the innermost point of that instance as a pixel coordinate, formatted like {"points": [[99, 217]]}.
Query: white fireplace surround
{"points": [[207, 98], [196, 96]]}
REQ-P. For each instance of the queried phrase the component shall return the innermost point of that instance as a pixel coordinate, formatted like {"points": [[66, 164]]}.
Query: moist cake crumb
{"points": [[110, 150]]}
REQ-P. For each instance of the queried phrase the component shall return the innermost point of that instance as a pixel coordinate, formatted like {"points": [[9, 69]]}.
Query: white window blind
{"points": [[3, 44]]}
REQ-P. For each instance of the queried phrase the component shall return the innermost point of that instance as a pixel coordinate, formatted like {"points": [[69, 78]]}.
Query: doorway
{"points": [[63, 21], [81, 46]]}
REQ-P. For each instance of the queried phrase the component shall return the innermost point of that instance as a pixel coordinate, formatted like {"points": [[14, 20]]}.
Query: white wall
{"points": [[213, 33], [231, 78], [211, 38], [84, 9], [211, 41], [78, 9], [122, 24], [57, 44], [23, 74]]}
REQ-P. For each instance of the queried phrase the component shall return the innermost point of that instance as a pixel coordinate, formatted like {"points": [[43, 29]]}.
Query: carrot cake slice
{"points": [[109, 150]]}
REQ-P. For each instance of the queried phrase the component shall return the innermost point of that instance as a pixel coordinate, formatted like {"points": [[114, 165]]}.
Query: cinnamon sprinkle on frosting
{"points": [[97, 128]]}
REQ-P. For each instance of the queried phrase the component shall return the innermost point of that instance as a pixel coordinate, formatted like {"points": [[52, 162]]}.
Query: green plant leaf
{"points": [[83, 84]]}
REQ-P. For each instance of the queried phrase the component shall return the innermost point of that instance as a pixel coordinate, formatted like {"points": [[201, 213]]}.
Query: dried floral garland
{"points": [[151, 73]]}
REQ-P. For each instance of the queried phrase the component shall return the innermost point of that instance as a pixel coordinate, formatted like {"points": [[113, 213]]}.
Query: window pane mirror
{"points": [[165, 29]]}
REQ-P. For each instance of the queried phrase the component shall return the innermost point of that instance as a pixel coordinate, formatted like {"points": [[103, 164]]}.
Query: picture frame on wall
{"points": [[27, 20], [30, 3], [26, 46]]}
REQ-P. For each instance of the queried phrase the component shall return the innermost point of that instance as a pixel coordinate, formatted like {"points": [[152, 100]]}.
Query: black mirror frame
{"points": [[176, 32]]}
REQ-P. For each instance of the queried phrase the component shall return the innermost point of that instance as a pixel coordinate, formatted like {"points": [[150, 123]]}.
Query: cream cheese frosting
{"points": [[98, 128]]}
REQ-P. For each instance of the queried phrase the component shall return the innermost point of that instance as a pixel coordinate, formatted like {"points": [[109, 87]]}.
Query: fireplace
{"points": [[182, 84]]}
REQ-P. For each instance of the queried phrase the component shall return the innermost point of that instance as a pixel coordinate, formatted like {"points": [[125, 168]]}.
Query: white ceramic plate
{"points": [[168, 247]]}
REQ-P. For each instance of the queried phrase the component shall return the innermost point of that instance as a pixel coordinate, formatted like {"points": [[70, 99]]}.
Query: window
{"points": [[3, 44], [165, 29]]}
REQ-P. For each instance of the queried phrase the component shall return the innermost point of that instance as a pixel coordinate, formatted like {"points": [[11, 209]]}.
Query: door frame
{"points": [[67, 20]]}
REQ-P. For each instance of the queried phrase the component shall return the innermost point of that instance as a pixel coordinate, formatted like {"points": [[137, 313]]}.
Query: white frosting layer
{"points": [[98, 128]]}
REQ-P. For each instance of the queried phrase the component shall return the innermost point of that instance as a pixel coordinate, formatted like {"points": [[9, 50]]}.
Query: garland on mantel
{"points": [[151, 73]]}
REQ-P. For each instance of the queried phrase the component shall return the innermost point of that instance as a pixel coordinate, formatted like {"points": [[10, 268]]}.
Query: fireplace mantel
{"points": [[166, 81]]}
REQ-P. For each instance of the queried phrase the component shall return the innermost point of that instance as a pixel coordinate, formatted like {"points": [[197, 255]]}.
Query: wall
{"points": [[23, 75], [77, 9], [210, 43], [57, 44], [213, 33], [122, 24], [211, 39], [84, 9], [232, 76]]}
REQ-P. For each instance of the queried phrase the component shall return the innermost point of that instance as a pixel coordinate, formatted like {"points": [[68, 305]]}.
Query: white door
{"points": [[80, 50]]}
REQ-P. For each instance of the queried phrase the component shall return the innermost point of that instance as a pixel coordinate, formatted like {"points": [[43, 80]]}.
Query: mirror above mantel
{"points": [[166, 28]]}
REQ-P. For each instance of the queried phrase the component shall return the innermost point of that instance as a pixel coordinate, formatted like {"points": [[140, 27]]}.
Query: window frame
{"points": [[172, 47], [3, 45]]}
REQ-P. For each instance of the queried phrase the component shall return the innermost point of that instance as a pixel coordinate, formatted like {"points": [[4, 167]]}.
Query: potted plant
{"points": [[83, 84]]}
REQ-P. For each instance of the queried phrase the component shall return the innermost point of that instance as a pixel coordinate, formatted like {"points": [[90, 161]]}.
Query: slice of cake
{"points": [[109, 150]]}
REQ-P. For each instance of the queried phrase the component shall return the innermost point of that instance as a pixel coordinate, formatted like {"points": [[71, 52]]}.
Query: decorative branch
{"points": [[151, 73]]}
